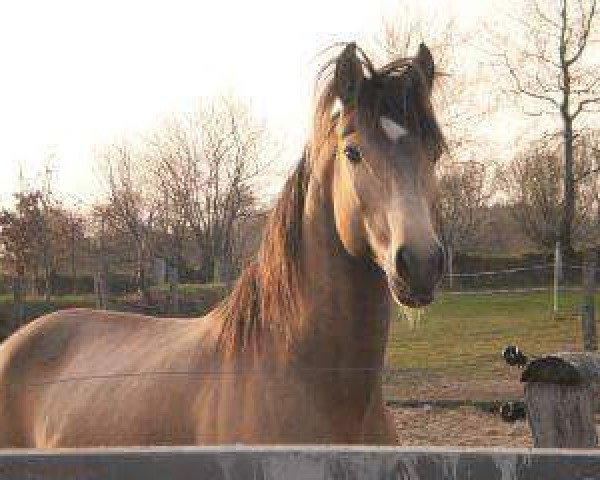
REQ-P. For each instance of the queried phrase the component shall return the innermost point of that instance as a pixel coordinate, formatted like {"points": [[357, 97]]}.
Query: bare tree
{"points": [[461, 206], [587, 184], [70, 228], [533, 183], [207, 165], [19, 238], [400, 36], [129, 209], [547, 54]]}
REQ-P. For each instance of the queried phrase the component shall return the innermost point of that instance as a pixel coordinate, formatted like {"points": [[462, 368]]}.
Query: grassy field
{"points": [[452, 351], [463, 334]]}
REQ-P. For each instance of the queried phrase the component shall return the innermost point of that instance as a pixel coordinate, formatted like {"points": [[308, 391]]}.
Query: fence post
{"points": [[450, 266], [100, 291], [18, 298], [560, 392], [557, 274], [588, 317], [173, 276]]}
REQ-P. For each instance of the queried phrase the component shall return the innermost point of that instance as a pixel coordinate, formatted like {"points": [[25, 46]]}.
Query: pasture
{"points": [[452, 352]]}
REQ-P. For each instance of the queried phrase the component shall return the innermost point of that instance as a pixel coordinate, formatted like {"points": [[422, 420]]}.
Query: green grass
{"points": [[461, 336]]}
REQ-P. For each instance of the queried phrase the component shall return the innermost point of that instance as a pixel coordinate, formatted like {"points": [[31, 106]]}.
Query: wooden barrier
{"points": [[560, 393], [306, 463]]}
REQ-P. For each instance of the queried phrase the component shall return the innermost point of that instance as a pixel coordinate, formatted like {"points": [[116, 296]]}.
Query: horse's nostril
{"points": [[402, 262]]}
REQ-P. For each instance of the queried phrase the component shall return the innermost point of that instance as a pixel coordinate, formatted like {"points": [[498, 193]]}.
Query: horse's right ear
{"points": [[348, 75], [424, 61]]}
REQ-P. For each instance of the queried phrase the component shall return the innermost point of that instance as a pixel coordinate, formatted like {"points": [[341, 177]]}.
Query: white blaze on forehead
{"points": [[337, 107], [393, 130]]}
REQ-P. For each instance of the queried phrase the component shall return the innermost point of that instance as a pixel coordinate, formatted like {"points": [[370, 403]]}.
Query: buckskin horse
{"points": [[294, 354]]}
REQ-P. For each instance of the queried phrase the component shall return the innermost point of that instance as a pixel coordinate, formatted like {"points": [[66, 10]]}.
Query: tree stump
{"points": [[560, 394]]}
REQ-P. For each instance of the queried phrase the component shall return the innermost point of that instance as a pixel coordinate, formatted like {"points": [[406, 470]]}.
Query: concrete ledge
{"points": [[306, 463]]}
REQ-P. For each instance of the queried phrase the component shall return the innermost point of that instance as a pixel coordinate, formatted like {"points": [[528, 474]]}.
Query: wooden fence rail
{"points": [[302, 462]]}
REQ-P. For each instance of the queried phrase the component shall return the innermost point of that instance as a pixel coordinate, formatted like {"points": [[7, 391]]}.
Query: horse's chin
{"points": [[402, 296]]}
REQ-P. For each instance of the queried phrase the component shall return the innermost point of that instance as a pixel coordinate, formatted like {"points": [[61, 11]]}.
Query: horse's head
{"points": [[383, 182]]}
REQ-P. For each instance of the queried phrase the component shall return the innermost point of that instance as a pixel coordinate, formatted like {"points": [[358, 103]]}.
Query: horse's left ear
{"points": [[348, 75], [424, 61]]}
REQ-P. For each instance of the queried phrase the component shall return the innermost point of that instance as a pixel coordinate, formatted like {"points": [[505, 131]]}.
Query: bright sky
{"points": [[77, 74]]}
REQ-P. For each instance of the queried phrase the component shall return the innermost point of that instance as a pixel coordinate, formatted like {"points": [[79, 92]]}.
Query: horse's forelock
{"points": [[397, 90]]}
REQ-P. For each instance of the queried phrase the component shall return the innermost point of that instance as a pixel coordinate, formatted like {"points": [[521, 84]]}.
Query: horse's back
{"points": [[45, 343], [63, 373]]}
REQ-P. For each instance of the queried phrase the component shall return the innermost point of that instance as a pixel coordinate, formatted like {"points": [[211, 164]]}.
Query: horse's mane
{"points": [[264, 300], [265, 296]]}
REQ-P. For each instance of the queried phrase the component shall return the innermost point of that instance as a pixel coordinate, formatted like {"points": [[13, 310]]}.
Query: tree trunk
{"points": [[566, 227], [173, 277], [566, 231], [73, 266], [18, 297], [46, 258], [142, 283], [103, 263]]}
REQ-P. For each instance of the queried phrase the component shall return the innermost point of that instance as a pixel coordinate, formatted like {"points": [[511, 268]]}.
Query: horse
{"points": [[294, 354]]}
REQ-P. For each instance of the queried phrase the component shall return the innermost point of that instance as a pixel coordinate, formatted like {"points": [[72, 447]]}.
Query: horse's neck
{"points": [[346, 303]]}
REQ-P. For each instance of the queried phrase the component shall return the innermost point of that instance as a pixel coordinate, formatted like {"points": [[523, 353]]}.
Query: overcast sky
{"points": [[79, 74]]}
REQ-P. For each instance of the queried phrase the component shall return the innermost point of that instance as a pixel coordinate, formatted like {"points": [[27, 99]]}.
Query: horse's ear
{"points": [[348, 75], [424, 61]]}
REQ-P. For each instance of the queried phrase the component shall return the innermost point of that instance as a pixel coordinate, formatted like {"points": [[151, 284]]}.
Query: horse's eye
{"points": [[352, 153]]}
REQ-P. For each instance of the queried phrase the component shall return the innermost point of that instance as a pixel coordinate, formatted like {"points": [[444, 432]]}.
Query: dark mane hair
{"points": [[265, 298], [266, 294]]}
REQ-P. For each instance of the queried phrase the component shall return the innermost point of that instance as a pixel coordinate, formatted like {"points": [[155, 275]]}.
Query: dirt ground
{"points": [[464, 426]]}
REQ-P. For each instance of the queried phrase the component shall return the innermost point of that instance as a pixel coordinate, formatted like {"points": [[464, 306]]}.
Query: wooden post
{"points": [[450, 267], [100, 291], [588, 317], [97, 291], [18, 298], [173, 276], [560, 394], [557, 274], [73, 265]]}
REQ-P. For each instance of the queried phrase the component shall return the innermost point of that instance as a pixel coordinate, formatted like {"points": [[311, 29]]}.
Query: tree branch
{"points": [[584, 34], [522, 90], [582, 104], [544, 17]]}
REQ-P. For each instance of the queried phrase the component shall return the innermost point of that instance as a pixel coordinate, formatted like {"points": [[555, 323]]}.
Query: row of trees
{"points": [[39, 236], [191, 183], [554, 70], [164, 200], [186, 192], [190, 191], [534, 183]]}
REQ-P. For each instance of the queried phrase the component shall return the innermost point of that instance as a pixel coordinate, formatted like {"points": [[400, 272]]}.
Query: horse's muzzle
{"points": [[417, 275], [404, 296]]}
